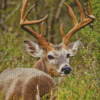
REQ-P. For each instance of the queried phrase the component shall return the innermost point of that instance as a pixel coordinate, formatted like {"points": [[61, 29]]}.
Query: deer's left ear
{"points": [[34, 49], [73, 47]]}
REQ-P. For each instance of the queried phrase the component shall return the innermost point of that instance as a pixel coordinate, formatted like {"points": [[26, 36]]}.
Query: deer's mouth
{"points": [[62, 73], [65, 71]]}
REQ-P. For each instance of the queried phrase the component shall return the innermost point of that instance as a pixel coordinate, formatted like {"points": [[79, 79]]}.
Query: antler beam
{"points": [[25, 22], [77, 26]]}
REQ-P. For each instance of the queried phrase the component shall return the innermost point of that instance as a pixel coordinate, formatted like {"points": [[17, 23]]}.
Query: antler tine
{"points": [[67, 36], [72, 14], [28, 12], [24, 17], [81, 10], [75, 23], [42, 29], [85, 21], [25, 22], [90, 11], [23, 9], [90, 8], [61, 30]]}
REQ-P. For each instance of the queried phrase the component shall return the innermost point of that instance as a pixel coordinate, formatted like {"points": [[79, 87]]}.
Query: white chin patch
{"points": [[62, 74]]}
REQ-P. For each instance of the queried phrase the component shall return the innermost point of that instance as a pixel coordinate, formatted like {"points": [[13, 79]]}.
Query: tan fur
{"points": [[57, 47], [8, 69], [49, 48], [21, 83], [44, 66]]}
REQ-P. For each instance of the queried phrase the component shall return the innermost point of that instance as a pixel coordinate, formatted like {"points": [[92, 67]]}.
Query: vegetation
{"points": [[84, 81]]}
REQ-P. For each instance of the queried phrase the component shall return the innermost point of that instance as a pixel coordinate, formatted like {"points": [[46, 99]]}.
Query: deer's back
{"points": [[25, 83]]}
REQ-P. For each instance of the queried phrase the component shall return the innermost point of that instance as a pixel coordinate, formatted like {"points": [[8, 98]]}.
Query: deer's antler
{"points": [[77, 26], [25, 22]]}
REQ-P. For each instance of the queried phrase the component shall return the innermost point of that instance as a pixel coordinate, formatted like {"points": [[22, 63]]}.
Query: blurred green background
{"points": [[84, 81]]}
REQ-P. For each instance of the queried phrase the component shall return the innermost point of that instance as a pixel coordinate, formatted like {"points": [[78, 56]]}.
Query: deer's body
{"points": [[32, 84], [26, 84]]}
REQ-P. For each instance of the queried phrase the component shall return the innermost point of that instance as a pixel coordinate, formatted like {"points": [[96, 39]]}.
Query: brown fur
{"points": [[42, 65], [49, 48], [57, 47], [8, 69], [21, 83]]}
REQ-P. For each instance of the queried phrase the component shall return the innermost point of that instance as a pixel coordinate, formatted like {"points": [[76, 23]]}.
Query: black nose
{"points": [[66, 70]]}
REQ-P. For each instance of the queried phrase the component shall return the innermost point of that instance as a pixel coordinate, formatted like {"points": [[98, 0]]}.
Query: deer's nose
{"points": [[66, 70]]}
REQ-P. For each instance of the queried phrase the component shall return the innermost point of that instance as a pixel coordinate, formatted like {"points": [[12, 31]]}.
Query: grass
{"points": [[82, 84], [79, 88]]}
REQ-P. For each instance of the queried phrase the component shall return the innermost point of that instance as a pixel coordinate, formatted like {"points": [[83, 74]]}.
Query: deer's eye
{"points": [[50, 57], [68, 55]]}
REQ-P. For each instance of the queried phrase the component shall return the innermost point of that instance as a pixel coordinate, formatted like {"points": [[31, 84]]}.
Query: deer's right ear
{"points": [[33, 49], [73, 47]]}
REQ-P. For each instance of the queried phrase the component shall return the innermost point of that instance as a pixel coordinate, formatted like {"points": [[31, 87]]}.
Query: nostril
{"points": [[66, 70], [63, 69]]}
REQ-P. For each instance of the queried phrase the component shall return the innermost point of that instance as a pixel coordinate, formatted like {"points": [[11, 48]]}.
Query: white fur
{"points": [[74, 49], [37, 52], [51, 53], [52, 61], [61, 66], [57, 54], [51, 95], [37, 95]]}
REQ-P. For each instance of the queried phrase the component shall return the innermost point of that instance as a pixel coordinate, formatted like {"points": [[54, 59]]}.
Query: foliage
{"points": [[12, 54], [1, 95], [83, 82]]}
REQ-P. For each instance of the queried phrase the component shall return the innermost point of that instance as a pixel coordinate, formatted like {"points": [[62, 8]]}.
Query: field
{"points": [[83, 83]]}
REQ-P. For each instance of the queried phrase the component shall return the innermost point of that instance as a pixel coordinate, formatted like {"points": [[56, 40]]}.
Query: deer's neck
{"points": [[44, 66], [41, 65]]}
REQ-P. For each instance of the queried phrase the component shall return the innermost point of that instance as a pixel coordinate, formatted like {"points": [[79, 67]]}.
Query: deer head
{"points": [[55, 57]]}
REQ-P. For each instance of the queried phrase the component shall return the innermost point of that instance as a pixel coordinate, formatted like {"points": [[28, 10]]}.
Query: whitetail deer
{"points": [[27, 83]]}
